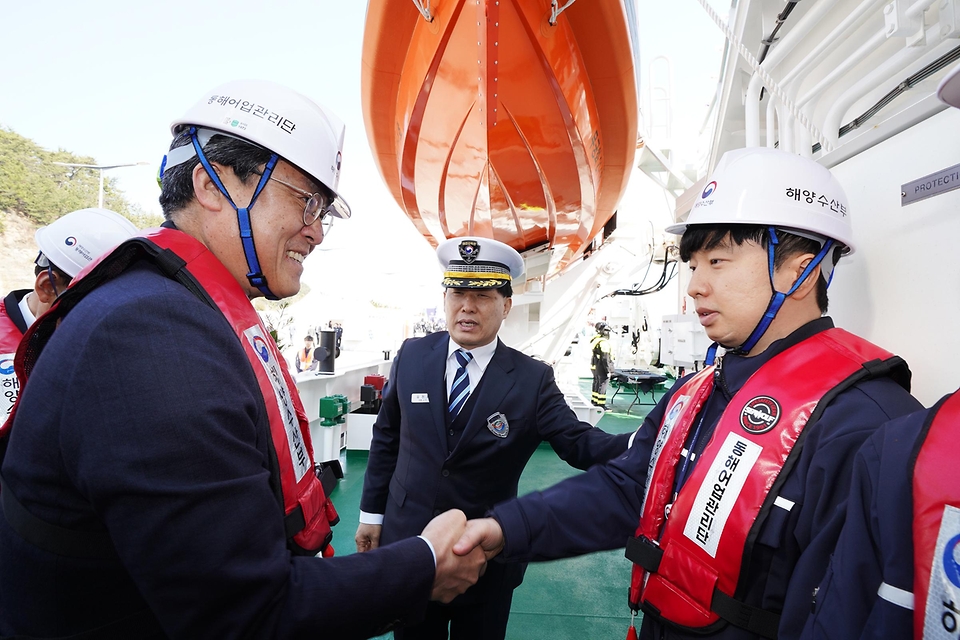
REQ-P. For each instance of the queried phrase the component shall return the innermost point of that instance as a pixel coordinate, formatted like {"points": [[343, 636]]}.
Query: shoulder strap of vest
{"points": [[66, 542], [12, 304], [734, 610], [111, 266], [891, 366], [936, 520], [72, 542], [874, 363]]}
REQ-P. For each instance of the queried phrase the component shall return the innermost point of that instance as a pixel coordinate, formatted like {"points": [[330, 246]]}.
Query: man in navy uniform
{"points": [[896, 571], [462, 413], [739, 475]]}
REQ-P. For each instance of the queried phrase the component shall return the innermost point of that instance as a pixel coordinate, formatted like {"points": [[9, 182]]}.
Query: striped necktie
{"points": [[460, 390]]}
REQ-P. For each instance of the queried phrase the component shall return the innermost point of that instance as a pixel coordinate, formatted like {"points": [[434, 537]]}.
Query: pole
{"points": [[101, 168]]}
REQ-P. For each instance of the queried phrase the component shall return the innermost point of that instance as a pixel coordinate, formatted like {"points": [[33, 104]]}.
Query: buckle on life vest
{"points": [[644, 552], [329, 472], [740, 614]]}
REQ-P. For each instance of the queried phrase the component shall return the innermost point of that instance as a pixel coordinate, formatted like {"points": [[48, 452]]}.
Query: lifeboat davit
{"points": [[509, 119]]}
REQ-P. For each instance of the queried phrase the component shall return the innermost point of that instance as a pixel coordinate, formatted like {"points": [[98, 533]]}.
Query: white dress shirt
{"points": [[475, 368]]}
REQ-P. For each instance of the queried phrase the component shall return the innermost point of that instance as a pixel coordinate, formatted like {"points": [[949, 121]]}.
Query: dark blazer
{"points": [[167, 448], [412, 475]]}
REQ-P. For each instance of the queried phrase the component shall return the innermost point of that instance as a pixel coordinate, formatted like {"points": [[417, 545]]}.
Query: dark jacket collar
{"points": [[737, 369], [12, 305]]}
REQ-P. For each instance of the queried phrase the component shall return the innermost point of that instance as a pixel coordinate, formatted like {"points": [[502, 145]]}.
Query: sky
{"points": [[104, 78]]}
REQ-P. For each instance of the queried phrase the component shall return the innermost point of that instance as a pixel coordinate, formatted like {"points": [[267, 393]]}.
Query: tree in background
{"points": [[275, 316], [32, 186], [34, 192]]}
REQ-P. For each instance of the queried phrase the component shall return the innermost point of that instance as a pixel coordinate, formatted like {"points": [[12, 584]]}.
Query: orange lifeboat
{"points": [[510, 119]]}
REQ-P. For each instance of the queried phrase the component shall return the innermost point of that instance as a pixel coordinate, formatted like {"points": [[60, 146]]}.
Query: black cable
{"points": [[769, 40], [908, 83]]}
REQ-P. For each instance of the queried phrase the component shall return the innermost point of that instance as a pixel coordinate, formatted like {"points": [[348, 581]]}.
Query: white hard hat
{"points": [[770, 187], [478, 263], [278, 119], [80, 237], [949, 89]]}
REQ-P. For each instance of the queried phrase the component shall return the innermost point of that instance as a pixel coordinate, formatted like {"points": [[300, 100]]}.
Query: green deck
{"points": [[565, 599]]}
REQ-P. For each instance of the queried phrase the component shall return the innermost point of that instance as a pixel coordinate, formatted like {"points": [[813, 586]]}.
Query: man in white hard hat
{"points": [[66, 246], [738, 476], [895, 573], [461, 415], [159, 478]]}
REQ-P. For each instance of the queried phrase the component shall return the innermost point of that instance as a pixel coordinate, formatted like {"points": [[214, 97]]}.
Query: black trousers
{"points": [[599, 395], [479, 614]]}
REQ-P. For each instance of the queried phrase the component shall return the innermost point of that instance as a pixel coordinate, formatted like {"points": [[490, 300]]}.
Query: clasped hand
{"points": [[462, 547]]}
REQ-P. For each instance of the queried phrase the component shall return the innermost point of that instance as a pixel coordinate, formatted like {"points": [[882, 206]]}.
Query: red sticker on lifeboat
{"points": [[760, 415]]}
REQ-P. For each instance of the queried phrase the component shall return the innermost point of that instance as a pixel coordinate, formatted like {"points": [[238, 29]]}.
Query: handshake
{"points": [[462, 547]]}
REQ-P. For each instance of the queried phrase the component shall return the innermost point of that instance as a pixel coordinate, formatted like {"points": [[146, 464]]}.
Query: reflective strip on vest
{"points": [[936, 525], [299, 456], [305, 358], [896, 595], [734, 485]]}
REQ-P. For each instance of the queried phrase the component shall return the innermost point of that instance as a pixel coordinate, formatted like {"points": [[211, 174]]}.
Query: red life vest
{"points": [[309, 513], [10, 336], [689, 554], [936, 524], [10, 333]]}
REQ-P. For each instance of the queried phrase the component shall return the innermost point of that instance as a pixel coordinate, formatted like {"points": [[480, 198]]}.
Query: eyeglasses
{"points": [[317, 206]]}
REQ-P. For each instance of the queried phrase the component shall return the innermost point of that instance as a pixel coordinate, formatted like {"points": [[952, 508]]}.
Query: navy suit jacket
{"points": [[411, 473], [143, 418]]}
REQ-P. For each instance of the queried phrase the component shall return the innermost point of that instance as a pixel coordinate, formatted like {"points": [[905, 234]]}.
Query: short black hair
{"points": [[704, 237], [244, 158], [310, 338]]}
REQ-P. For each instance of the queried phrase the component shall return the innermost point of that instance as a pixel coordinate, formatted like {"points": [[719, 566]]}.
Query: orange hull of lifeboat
{"points": [[489, 121]]}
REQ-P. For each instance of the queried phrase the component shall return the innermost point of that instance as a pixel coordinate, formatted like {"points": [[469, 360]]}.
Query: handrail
{"points": [[769, 82], [795, 36], [870, 81]]}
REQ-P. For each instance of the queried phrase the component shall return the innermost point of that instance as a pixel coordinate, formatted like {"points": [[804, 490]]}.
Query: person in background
{"points": [[305, 360], [159, 479], [895, 573], [67, 245], [461, 415], [600, 364], [730, 499]]}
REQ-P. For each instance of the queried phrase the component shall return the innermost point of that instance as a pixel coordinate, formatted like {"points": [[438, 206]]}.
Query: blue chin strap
{"points": [[254, 274], [776, 301]]}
